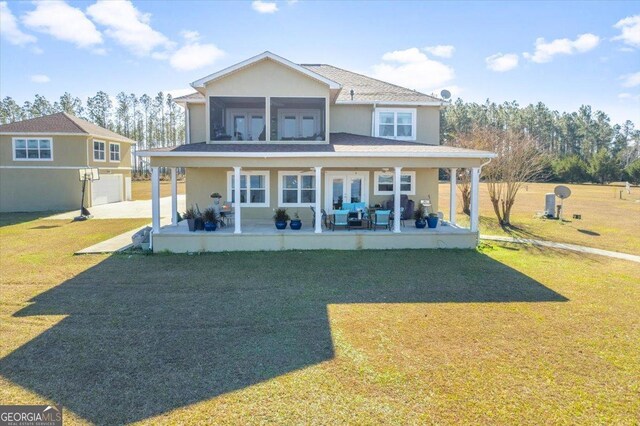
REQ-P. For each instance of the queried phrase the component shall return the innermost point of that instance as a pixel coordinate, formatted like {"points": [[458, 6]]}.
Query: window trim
{"points": [[267, 186], [119, 152], [281, 188], [26, 138], [377, 174], [299, 115], [104, 150], [395, 111]]}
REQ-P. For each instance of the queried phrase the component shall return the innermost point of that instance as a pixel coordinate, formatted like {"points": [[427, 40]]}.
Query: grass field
{"points": [[141, 189], [608, 222], [501, 335]]}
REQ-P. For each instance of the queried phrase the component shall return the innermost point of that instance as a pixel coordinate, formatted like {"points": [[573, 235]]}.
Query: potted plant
{"points": [[190, 215], [210, 219], [199, 219], [281, 217], [432, 220], [418, 215], [295, 223]]}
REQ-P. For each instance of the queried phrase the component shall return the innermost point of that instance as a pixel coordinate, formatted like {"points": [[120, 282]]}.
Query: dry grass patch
{"points": [[141, 189]]}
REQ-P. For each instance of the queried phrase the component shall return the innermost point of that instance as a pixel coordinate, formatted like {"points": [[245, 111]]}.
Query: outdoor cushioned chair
{"points": [[323, 218], [381, 218], [340, 218]]}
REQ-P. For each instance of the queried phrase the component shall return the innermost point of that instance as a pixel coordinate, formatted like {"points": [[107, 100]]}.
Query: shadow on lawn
{"points": [[147, 334]]}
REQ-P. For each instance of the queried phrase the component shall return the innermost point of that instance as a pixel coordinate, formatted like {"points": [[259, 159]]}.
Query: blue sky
{"points": [[561, 53]]}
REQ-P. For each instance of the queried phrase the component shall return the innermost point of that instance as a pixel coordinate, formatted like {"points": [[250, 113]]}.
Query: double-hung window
{"points": [[396, 123], [114, 152], [384, 183], [98, 151], [40, 149], [254, 188], [296, 189]]}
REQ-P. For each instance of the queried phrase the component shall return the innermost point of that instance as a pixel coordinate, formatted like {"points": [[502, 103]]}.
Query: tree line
{"points": [[152, 121], [579, 146]]}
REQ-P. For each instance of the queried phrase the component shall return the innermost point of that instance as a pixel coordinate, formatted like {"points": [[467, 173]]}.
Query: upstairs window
{"points": [[32, 149], [298, 119], [237, 118], [114, 152], [396, 123], [98, 151]]}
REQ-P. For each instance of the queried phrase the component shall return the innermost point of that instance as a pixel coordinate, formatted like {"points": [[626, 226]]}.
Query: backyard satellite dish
{"points": [[562, 192], [446, 95]]}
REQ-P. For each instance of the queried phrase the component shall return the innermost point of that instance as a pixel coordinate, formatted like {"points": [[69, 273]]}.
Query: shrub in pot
{"points": [[418, 216], [432, 220], [190, 216], [210, 219], [281, 217], [295, 223]]}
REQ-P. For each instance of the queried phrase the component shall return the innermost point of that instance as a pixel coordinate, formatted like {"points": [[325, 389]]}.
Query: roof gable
{"points": [[265, 56]]}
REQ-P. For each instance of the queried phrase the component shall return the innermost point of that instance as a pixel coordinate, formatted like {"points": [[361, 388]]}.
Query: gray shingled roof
{"points": [[367, 89], [61, 122], [197, 96], [340, 143]]}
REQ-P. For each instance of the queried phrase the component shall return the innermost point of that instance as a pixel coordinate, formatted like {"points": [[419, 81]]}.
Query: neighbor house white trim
{"points": [[377, 174], [395, 112], [265, 55], [26, 139], [63, 167], [299, 189], [118, 152], [104, 150], [267, 187]]}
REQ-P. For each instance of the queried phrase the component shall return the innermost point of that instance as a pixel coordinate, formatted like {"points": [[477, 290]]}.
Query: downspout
{"points": [[373, 120]]}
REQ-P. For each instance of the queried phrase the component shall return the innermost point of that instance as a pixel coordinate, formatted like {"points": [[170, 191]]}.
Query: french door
{"points": [[345, 187]]}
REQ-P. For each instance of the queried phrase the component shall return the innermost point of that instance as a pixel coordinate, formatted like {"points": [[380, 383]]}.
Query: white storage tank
{"points": [[550, 204]]}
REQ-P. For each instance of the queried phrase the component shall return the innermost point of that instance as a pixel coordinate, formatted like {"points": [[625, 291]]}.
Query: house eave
{"points": [[124, 140], [353, 154]]}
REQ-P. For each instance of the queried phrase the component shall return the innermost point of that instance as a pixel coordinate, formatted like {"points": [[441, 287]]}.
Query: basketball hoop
{"points": [[87, 174]]}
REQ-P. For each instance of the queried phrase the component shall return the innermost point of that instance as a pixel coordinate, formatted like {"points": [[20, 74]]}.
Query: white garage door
{"points": [[108, 189]]}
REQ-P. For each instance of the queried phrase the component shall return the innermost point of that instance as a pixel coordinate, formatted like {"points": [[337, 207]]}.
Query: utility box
{"points": [[550, 204]]}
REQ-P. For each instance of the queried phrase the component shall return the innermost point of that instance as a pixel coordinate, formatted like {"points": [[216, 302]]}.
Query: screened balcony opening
{"points": [[298, 119], [237, 118]]}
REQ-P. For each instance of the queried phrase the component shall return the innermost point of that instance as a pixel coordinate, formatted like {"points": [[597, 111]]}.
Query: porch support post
{"points": [[174, 197], [452, 196], [155, 199], [318, 206], [475, 203], [236, 196], [396, 199]]}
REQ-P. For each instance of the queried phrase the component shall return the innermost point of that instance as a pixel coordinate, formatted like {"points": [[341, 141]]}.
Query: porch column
{"points": [[396, 199], [318, 206], [155, 199], [475, 203], [452, 195], [236, 196], [174, 197]]}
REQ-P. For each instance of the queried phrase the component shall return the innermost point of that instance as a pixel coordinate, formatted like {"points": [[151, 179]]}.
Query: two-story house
{"points": [[268, 133]]}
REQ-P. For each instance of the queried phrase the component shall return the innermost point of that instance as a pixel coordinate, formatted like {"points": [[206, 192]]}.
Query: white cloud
{"points": [[9, 27], [40, 78], [195, 55], [190, 35], [128, 26], [441, 50], [63, 22], [412, 68], [563, 46], [264, 6], [629, 30], [630, 80], [502, 62], [624, 95]]}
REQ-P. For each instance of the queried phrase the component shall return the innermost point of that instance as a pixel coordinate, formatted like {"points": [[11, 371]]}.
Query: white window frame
{"points": [[281, 188], [267, 187], [119, 157], [376, 175], [395, 112], [26, 139], [104, 150], [248, 114], [299, 114]]}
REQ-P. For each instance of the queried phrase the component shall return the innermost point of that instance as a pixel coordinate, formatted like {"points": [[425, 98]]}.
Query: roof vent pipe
{"points": [[351, 92]]}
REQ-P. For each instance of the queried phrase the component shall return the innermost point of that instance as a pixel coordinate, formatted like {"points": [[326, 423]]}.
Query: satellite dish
{"points": [[562, 192], [445, 94]]}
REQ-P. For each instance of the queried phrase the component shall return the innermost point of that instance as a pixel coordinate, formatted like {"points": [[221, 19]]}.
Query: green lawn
{"points": [[499, 335]]}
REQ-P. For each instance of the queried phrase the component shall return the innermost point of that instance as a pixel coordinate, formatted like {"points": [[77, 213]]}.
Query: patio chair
{"points": [[323, 218], [381, 218], [340, 218]]}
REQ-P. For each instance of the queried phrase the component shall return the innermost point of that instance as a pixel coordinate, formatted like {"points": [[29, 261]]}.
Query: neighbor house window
{"points": [[396, 123], [254, 188], [296, 189], [384, 183], [33, 149], [114, 152], [98, 151]]}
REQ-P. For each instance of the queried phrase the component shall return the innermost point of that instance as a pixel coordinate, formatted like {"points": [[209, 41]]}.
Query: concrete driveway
{"points": [[127, 209]]}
